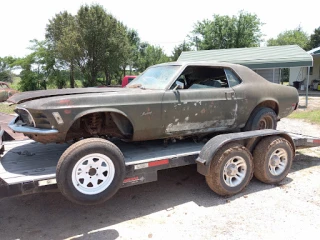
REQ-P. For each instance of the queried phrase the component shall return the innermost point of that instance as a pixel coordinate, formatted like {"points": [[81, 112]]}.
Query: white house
{"points": [[300, 74]]}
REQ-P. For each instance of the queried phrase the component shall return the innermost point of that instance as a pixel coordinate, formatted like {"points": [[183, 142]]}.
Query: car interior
{"points": [[197, 77]]}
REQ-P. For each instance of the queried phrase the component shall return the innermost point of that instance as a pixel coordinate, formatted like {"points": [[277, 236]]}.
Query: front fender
{"points": [[98, 110]]}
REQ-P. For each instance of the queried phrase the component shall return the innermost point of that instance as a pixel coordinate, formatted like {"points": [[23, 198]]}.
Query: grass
{"points": [[5, 108], [312, 116], [14, 84]]}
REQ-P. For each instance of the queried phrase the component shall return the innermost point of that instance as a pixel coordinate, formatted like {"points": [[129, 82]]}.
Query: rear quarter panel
{"points": [[255, 89]]}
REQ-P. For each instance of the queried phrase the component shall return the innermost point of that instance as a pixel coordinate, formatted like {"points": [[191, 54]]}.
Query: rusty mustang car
{"points": [[167, 101], [5, 91]]}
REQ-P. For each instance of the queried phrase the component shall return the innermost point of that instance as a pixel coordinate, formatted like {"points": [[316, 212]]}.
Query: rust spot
{"points": [[67, 111], [203, 111]]}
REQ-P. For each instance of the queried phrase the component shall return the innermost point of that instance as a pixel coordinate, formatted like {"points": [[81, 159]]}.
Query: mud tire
{"points": [[216, 179], [262, 155]]}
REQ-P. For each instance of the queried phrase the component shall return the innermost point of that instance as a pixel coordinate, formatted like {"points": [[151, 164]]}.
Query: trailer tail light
{"points": [[315, 141], [152, 164]]}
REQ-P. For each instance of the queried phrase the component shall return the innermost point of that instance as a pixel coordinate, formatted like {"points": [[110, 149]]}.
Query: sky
{"points": [[165, 23]]}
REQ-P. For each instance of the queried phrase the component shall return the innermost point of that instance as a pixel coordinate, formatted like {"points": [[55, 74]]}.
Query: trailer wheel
{"points": [[90, 171], [262, 118], [272, 159], [230, 170]]}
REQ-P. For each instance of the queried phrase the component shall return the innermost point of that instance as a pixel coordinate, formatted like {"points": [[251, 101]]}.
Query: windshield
{"points": [[155, 77]]}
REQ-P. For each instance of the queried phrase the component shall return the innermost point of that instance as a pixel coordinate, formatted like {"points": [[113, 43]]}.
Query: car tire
{"points": [[262, 118], [272, 159], [231, 170], [90, 171]]}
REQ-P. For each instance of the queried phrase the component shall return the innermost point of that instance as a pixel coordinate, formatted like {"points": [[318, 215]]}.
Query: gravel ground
{"points": [[299, 126], [180, 206]]}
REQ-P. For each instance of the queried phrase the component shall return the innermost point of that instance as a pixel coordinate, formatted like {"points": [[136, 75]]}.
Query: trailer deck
{"points": [[25, 162], [27, 166]]}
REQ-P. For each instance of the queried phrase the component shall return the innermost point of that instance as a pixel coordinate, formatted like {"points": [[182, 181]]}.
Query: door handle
{"points": [[232, 95]]}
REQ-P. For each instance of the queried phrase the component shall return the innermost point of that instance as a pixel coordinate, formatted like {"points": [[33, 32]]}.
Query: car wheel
{"points": [[272, 159], [90, 171], [262, 118], [231, 170]]}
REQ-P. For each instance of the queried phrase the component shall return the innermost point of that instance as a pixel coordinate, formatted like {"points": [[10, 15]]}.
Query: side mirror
{"points": [[179, 85]]}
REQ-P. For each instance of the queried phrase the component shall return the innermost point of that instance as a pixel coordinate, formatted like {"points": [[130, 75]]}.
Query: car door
{"points": [[198, 110], [242, 96]]}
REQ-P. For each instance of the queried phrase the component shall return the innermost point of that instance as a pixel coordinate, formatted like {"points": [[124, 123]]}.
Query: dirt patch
{"points": [[313, 103]]}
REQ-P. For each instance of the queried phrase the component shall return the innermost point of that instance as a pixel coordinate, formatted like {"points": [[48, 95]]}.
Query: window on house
{"points": [[311, 71]]}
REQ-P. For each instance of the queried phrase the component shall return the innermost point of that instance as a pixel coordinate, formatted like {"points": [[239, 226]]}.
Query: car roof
{"points": [[245, 73], [204, 63]]}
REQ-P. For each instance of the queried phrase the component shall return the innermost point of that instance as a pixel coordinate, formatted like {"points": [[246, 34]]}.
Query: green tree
{"points": [[179, 49], [62, 36], [101, 38], [134, 42], [223, 32], [29, 78], [150, 55], [291, 37], [37, 67], [6, 74], [118, 49], [315, 39]]}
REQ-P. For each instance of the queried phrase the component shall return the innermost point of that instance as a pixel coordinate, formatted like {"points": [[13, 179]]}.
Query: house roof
{"points": [[315, 51], [256, 58]]}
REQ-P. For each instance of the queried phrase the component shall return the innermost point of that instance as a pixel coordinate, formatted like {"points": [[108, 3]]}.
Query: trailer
{"points": [[92, 170]]}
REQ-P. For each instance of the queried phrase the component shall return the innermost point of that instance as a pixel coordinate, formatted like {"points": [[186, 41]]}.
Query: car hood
{"points": [[32, 95]]}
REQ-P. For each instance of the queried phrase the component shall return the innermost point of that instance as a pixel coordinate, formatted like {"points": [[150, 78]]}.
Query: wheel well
{"points": [[270, 104], [101, 123]]}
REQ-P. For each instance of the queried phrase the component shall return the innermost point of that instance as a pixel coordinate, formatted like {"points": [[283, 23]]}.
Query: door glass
{"points": [[232, 78]]}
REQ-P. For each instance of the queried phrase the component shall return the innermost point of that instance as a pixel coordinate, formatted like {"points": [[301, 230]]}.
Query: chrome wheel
{"points": [[278, 161], [234, 171], [93, 173]]}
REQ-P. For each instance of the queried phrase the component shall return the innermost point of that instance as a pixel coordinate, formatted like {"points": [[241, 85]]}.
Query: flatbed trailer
{"points": [[30, 167]]}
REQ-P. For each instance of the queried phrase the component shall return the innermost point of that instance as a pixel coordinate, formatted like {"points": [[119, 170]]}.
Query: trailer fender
{"points": [[4, 136], [248, 139]]}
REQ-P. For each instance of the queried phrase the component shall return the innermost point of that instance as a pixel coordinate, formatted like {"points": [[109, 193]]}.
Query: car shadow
{"points": [[177, 186]]}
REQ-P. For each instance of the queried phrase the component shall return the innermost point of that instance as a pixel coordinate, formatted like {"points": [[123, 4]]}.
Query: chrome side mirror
{"points": [[179, 85]]}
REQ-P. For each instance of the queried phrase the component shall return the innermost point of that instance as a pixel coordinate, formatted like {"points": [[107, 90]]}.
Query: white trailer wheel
{"points": [[90, 171], [93, 173]]}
